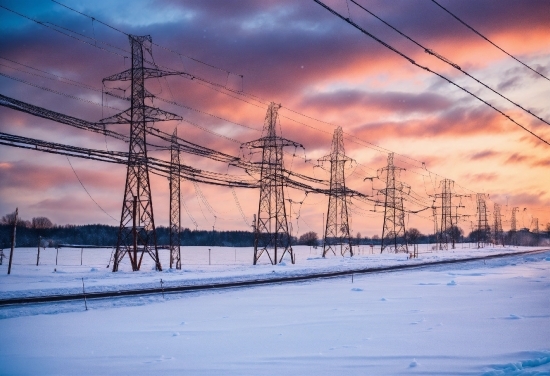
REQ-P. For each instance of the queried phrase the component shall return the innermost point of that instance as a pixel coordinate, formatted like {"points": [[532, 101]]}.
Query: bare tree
{"points": [[309, 238], [41, 222], [8, 219], [412, 235]]}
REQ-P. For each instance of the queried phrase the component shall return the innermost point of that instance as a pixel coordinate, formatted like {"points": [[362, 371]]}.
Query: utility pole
{"points": [[393, 230], [141, 238], [337, 225], [175, 204], [13, 238], [38, 251], [271, 229]]}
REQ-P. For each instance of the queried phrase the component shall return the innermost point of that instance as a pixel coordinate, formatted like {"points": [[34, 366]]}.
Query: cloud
{"points": [[516, 158], [510, 83], [457, 121], [393, 102], [291, 52], [487, 176], [483, 155], [541, 163], [25, 175]]}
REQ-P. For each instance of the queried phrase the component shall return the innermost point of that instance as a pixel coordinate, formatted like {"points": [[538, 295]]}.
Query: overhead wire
{"points": [[52, 28], [208, 84], [450, 63], [410, 60], [86, 190], [488, 40]]}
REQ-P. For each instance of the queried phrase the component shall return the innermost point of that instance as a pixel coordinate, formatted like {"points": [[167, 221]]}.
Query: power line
{"points": [[55, 91], [448, 62], [54, 29], [61, 78], [425, 68], [93, 18], [89, 195], [250, 95], [487, 39], [155, 44]]}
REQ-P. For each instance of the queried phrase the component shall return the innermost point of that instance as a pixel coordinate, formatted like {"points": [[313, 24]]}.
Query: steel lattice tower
{"points": [[446, 213], [482, 224], [271, 227], [497, 225], [175, 204], [337, 224], [513, 222], [513, 226], [535, 226], [137, 234], [393, 230]]}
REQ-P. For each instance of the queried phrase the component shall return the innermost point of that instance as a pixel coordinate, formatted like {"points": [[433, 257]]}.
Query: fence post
{"points": [[84, 292], [38, 252]]}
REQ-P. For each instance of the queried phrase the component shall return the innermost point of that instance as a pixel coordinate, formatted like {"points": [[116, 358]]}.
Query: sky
{"points": [[322, 71]]}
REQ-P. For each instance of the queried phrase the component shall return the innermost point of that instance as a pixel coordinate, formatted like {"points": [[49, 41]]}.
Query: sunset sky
{"points": [[323, 72]]}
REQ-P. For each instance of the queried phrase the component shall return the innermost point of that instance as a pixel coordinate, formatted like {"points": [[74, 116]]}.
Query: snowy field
{"points": [[479, 318], [200, 265]]}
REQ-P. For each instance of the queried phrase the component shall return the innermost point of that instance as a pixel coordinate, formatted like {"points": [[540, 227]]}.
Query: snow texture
{"points": [[494, 319]]}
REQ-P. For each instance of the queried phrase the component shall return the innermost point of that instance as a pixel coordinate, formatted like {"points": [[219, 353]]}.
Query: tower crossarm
{"points": [[147, 73], [152, 115]]}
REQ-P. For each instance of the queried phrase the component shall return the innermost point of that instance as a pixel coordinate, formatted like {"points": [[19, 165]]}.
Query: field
{"points": [[482, 317]]}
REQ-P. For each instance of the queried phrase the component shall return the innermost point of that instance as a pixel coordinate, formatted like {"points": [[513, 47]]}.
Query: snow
{"points": [[479, 318], [227, 264]]}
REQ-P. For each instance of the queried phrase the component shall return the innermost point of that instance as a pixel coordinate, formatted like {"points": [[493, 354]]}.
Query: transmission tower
{"points": [[482, 224], [513, 226], [337, 225], [446, 213], [497, 226], [271, 228], [513, 222], [535, 229], [455, 233], [175, 204], [137, 234], [393, 230]]}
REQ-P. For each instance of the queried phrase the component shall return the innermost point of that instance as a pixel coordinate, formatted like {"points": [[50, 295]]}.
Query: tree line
{"points": [[51, 235]]}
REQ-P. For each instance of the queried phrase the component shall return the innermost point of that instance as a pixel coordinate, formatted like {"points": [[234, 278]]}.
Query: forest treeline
{"points": [[52, 235], [106, 236]]}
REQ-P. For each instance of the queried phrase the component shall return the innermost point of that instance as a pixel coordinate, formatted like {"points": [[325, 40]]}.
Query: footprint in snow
{"points": [[356, 289]]}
